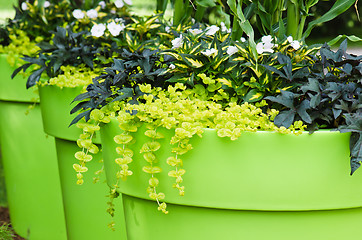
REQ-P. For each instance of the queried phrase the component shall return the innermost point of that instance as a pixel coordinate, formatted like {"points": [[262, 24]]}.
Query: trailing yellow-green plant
{"points": [[20, 44], [74, 76], [184, 111]]}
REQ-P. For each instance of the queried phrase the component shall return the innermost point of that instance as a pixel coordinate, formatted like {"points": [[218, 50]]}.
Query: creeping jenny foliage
{"points": [[177, 108]]}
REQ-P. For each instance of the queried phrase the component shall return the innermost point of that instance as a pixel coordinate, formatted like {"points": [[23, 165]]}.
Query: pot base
{"points": [[195, 223]]}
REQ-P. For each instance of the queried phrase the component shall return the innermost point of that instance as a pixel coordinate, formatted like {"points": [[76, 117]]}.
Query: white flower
{"points": [[113, 11], [262, 47], [195, 31], [128, 2], [24, 6], [224, 28], [98, 30], [209, 52], [177, 42], [46, 4], [232, 50], [115, 28], [167, 29], [78, 14], [267, 39], [102, 4], [92, 13], [295, 44], [172, 66], [212, 30], [242, 39], [265, 45], [119, 3], [290, 39]]}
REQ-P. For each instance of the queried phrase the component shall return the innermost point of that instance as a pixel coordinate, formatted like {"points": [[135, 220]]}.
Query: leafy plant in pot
{"points": [[70, 60], [144, 112]]}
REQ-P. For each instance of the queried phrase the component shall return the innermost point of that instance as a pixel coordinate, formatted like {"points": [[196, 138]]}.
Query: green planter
{"points": [[84, 205], [262, 186], [29, 162], [14, 89]]}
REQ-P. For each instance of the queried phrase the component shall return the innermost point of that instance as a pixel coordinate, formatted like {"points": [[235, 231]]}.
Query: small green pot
{"points": [[84, 205], [29, 162], [264, 185]]}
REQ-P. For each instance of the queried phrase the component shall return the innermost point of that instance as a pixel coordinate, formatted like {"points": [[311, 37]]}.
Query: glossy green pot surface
{"points": [[55, 108], [31, 174], [14, 89], [247, 187], [84, 205]]}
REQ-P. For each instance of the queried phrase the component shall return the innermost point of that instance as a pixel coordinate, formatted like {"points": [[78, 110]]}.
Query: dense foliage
{"points": [[188, 75]]}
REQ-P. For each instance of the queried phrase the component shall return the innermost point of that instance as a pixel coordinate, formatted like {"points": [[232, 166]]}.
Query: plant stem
{"points": [[301, 27], [161, 5], [293, 16], [178, 12]]}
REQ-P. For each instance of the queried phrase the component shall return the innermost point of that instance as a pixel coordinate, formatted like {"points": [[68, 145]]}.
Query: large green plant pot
{"points": [[29, 162], [31, 174], [262, 186], [84, 205]]}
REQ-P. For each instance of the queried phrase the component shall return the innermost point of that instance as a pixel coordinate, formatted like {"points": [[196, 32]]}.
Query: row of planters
{"points": [[193, 125]]}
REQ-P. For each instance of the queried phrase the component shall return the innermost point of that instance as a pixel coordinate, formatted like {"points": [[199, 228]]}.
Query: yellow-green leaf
{"points": [[194, 63]]}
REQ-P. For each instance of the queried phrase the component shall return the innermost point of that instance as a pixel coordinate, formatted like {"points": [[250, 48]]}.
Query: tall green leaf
{"points": [[338, 8], [244, 24], [161, 5], [352, 38]]}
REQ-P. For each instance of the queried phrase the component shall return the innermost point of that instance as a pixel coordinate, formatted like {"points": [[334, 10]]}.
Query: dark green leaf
{"points": [[284, 118]]}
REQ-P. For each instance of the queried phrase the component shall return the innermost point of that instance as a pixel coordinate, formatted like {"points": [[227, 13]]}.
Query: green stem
{"points": [[178, 12], [293, 17], [301, 27], [161, 5]]}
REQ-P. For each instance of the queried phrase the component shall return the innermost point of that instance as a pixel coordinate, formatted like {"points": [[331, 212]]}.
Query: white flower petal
{"points": [[212, 30], [98, 30], [92, 13], [78, 14], [102, 4], [295, 44], [24, 6], [232, 50], [115, 29], [267, 39], [224, 28], [177, 42], [128, 2], [119, 3], [260, 48], [209, 52], [195, 31], [46, 4]]}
